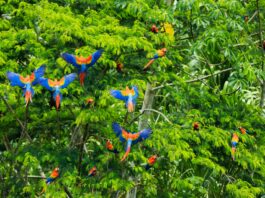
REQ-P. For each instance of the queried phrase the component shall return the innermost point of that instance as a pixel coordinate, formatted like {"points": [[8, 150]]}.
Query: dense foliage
{"points": [[213, 73]]}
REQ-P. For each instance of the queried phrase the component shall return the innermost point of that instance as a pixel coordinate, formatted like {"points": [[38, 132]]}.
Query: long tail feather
{"points": [[148, 64], [57, 100], [28, 97], [82, 78], [128, 149], [130, 107]]}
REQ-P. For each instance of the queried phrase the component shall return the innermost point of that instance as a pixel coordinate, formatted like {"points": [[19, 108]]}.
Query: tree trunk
{"points": [[143, 123], [147, 104]]}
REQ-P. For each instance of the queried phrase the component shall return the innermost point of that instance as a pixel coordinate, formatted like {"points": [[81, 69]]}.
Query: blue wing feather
{"points": [[44, 83], [70, 59], [68, 79], [117, 94], [38, 73], [95, 56], [118, 131], [15, 79], [144, 134]]}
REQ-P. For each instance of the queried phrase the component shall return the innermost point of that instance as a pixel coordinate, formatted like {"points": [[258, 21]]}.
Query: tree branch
{"points": [[153, 110], [13, 112], [194, 80]]}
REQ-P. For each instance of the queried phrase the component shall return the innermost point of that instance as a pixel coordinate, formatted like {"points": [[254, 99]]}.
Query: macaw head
{"points": [[93, 171], [109, 145], [128, 91], [152, 159], [89, 100], [164, 50]]}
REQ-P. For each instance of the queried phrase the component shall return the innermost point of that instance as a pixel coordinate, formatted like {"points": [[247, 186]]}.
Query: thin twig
{"points": [[13, 112], [255, 13], [194, 80], [153, 110]]}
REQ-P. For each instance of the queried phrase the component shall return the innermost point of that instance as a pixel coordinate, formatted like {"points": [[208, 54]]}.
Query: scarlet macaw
{"points": [[110, 147], [27, 82], [92, 172], [234, 142], [81, 63], [54, 175], [154, 29], [245, 131], [129, 96], [151, 161], [56, 86], [160, 53], [196, 126], [130, 138]]}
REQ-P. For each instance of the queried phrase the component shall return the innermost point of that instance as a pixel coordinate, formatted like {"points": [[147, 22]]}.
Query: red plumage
{"points": [[196, 126]]}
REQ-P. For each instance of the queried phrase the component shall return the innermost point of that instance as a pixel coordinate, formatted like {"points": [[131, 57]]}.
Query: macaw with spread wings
{"points": [[56, 86], [130, 138], [82, 63], [129, 96], [27, 82]]}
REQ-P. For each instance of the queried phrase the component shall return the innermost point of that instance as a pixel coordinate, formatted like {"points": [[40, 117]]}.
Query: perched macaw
{"points": [[130, 138], [234, 142], [92, 172], [160, 53], [110, 147], [196, 126], [245, 18], [129, 96], [54, 175], [27, 82], [56, 86], [81, 63], [245, 131], [119, 67], [154, 29], [150, 162]]}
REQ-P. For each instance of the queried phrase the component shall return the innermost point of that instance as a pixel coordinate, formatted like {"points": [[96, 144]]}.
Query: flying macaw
{"points": [[160, 53], [130, 138], [196, 126], [150, 162], [56, 86], [54, 175], [234, 142], [81, 63], [92, 172], [110, 147], [27, 82], [129, 96]]}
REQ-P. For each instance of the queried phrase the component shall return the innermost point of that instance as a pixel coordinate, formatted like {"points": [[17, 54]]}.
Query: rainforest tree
{"points": [[212, 73]]}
